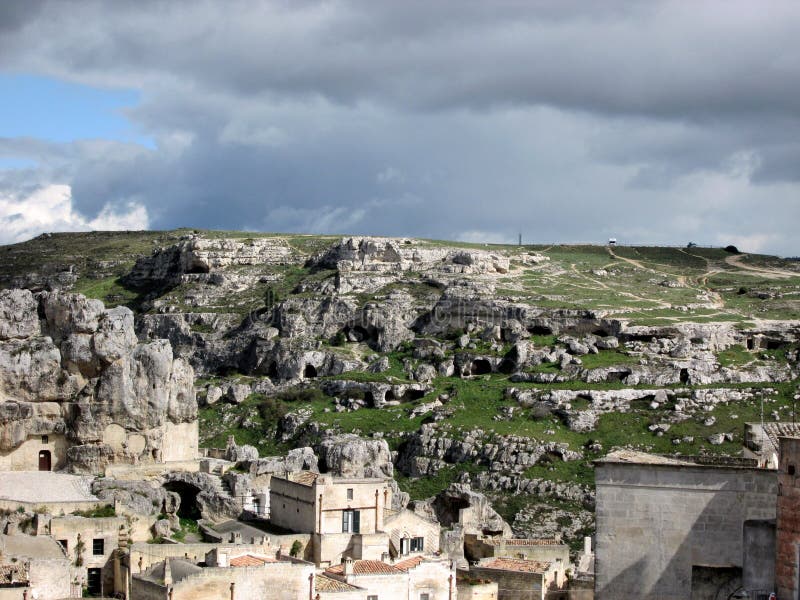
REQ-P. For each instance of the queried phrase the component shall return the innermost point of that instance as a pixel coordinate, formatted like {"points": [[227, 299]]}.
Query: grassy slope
{"points": [[624, 283]]}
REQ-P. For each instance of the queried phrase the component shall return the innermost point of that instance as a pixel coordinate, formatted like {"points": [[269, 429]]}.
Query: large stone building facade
{"points": [[679, 527]]}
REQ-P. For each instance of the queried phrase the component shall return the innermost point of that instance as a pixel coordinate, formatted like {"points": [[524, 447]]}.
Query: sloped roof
{"points": [[366, 567], [180, 568], [250, 560], [775, 430], [409, 563], [515, 564], [12, 574], [323, 583]]}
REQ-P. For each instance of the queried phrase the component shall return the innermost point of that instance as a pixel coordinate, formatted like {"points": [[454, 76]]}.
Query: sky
{"points": [[659, 122]]}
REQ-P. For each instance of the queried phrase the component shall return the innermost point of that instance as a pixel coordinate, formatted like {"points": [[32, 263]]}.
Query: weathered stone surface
{"points": [[351, 456], [18, 315]]}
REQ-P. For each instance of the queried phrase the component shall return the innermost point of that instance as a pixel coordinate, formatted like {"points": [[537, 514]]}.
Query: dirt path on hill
{"points": [[735, 260]]}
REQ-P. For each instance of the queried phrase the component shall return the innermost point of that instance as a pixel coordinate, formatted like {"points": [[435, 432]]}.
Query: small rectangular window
{"points": [[424, 597], [98, 546], [349, 493], [417, 544], [375, 597], [45, 439], [64, 544]]}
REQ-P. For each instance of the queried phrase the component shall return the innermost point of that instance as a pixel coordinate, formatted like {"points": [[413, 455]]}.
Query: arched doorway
{"points": [[188, 493], [45, 460]]}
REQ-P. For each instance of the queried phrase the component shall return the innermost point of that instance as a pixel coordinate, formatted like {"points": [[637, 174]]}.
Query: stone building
{"points": [[477, 547], [91, 544], [40, 563], [344, 515], [521, 579], [417, 578], [682, 527], [410, 533], [227, 574]]}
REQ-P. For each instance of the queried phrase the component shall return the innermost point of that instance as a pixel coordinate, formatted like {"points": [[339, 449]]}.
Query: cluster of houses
{"points": [[326, 537]]}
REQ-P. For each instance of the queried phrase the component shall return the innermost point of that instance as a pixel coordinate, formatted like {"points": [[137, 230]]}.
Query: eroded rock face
{"points": [[81, 373], [461, 505], [352, 456]]}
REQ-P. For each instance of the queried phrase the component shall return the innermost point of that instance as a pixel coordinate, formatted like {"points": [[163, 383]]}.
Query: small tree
{"points": [[294, 551]]}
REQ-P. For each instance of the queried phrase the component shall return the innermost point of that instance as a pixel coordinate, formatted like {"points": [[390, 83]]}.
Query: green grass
{"points": [[607, 358]]}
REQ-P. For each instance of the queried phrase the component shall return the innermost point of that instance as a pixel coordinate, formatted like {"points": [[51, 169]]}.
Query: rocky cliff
{"points": [[71, 368]]}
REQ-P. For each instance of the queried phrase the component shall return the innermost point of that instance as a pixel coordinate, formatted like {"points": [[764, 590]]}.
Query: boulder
{"points": [[351, 456]]}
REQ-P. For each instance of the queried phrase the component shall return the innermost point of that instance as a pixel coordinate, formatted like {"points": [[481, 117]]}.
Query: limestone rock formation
{"points": [[351, 456], [80, 374]]}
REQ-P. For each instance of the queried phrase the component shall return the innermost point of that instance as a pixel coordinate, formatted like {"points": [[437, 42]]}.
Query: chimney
{"points": [[385, 557], [348, 563]]}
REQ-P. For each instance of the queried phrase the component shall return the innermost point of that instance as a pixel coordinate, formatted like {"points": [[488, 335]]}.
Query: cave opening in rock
{"points": [[389, 396], [540, 330], [411, 395], [188, 508], [310, 372], [357, 333], [480, 366], [197, 268], [272, 370], [508, 366], [684, 376]]}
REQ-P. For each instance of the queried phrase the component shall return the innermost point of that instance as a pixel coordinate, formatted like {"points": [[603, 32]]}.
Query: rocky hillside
{"points": [[511, 367]]}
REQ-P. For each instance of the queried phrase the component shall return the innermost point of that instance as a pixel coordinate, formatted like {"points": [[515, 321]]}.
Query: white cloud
{"points": [[50, 209]]}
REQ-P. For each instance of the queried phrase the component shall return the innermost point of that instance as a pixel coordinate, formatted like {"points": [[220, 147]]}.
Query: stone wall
{"points": [[477, 591], [787, 569], [655, 521], [25, 457], [512, 585]]}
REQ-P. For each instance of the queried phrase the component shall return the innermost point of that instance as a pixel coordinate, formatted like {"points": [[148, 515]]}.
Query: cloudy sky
{"points": [[566, 121]]}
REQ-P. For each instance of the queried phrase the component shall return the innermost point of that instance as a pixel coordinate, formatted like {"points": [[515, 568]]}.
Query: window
{"points": [[98, 546], [424, 597], [349, 493], [45, 439], [417, 544], [351, 521], [404, 546], [257, 506], [791, 469], [64, 544], [375, 597]]}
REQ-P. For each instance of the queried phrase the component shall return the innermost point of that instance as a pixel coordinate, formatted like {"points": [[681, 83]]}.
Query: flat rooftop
{"points": [[643, 458], [45, 487]]}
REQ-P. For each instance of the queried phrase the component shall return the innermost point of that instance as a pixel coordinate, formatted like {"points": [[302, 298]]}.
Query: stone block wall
{"points": [[656, 521]]}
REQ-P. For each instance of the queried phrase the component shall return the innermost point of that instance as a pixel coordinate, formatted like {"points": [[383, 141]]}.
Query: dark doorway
{"points": [[310, 372], [188, 493], [44, 460], [94, 582], [480, 366]]}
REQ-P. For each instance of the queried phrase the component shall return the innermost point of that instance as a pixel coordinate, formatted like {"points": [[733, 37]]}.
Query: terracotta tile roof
{"points": [[523, 542], [12, 574], [779, 429], [248, 560], [323, 583], [515, 564], [365, 567], [409, 563]]}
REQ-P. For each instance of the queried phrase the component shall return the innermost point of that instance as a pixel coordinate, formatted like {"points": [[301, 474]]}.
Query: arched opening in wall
{"points": [[480, 366], [356, 333], [540, 330], [617, 375], [751, 344], [369, 399], [310, 372], [389, 397], [411, 395], [188, 494], [684, 376], [508, 366]]}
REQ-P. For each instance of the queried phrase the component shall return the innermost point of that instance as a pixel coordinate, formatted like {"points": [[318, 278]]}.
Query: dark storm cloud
{"points": [[569, 121]]}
